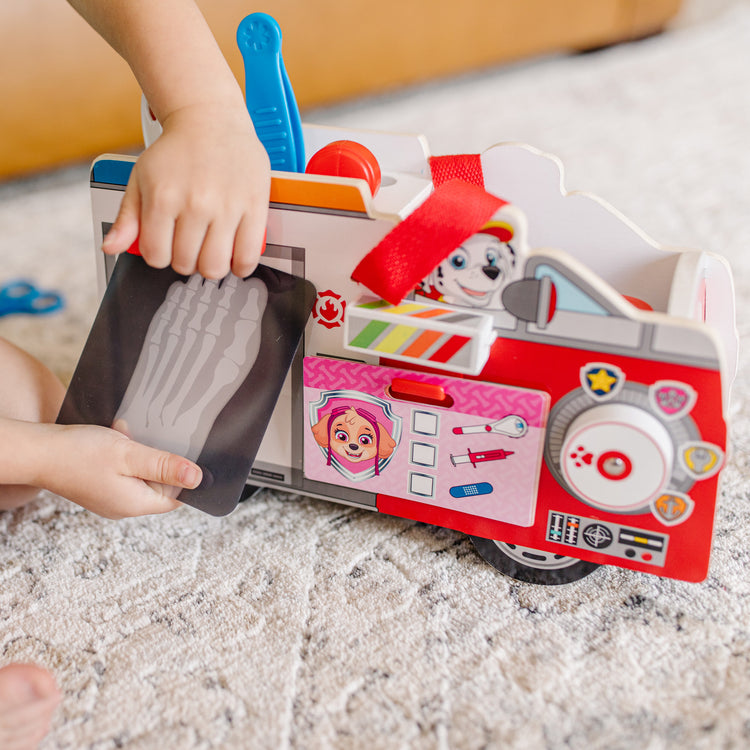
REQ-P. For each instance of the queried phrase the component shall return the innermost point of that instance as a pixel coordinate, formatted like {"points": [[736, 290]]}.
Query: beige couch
{"points": [[66, 96]]}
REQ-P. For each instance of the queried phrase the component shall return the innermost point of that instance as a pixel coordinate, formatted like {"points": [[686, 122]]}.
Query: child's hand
{"points": [[107, 473], [197, 198]]}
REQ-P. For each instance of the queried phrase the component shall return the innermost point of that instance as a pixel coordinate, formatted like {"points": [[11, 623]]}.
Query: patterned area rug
{"points": [[295, 623]]}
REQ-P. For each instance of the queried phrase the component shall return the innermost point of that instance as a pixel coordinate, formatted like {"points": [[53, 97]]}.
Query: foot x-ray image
{"points": [[191, 366]]}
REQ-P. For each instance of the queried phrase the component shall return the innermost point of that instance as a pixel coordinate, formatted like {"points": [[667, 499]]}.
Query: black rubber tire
{"points": [[519, 563]]}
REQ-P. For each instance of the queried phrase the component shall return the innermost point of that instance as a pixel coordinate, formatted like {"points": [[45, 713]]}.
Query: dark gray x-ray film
{"points": [[191, 366]]}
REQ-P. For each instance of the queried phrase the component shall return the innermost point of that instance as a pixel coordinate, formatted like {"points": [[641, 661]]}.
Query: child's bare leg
{"points": [[28, 697], [29, 392], [28, 694]]}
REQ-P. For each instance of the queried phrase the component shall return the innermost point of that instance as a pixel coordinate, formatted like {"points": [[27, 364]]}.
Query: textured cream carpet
{"points": [[295, 623]]}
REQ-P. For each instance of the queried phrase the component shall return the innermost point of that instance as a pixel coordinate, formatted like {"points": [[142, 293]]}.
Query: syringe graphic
{"points": [[480, 457], [512, 426]]}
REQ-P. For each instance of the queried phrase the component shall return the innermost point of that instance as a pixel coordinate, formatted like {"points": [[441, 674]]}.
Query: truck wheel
{"points": [[531, 565]]}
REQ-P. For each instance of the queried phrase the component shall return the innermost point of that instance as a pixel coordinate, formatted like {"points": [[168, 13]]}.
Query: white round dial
{"points": [[617, 457]]}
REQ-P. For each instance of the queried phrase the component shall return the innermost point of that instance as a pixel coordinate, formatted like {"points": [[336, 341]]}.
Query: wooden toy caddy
{"points": [[556, 387]]}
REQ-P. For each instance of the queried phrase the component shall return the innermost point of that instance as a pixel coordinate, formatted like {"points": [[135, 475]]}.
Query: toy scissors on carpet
{"points": [[23, 297]]}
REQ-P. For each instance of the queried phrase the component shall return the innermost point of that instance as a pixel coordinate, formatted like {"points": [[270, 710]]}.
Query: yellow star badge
{"points": [[601, 380]]}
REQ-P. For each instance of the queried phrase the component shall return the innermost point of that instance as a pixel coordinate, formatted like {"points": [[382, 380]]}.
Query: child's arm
{"points": [[198, 197], [98, 468]]}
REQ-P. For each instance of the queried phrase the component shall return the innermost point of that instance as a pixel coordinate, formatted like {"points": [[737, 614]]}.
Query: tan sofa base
{"points": [[66, 96]]}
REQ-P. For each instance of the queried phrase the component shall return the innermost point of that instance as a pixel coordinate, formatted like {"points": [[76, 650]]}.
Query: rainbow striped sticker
{"points": [[446, 338]]}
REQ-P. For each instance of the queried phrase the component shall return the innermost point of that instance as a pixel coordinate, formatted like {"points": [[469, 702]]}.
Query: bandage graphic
{"points": [[470, 490]]}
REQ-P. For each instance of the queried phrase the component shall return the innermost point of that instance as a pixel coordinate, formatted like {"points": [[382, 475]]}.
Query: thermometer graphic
{"points": [[512, 426], [480, 457]]}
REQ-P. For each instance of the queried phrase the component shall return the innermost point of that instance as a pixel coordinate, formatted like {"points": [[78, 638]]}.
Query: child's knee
{"points": [[28, 389]]}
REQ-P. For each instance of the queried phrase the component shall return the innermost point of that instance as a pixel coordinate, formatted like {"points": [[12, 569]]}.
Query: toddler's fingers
{"points": [[189, 237], [216, 252], [153, 465], [157, 236], [124, 232], [249, 244]]}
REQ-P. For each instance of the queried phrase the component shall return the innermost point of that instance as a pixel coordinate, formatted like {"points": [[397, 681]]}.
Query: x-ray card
{"points": [[191, 366]]}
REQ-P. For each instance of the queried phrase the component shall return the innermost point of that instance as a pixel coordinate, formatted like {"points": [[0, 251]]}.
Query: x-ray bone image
{"points": [[191, 366], [202, 341]]}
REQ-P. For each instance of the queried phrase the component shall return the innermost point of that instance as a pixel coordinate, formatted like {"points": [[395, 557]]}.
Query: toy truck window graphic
{"points": [[581, 315], [568, 296]]}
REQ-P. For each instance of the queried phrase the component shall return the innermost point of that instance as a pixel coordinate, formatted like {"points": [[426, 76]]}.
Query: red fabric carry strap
{"points": [[412, 249], [466, 167]]}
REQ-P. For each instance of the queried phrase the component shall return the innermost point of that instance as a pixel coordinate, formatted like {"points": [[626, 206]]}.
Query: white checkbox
{"points": [[424, 422], [423, 454], [421, 484]]}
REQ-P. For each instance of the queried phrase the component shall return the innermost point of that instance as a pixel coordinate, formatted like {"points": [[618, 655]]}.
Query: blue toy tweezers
{"points": [[268, 94]]}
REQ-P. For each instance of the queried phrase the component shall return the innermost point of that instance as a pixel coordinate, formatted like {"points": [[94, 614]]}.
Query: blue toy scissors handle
{"points": [[24, 297], [268, 93]]}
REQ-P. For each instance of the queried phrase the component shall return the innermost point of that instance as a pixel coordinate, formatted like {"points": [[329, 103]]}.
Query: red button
{"points": [[421, 393], [346, 159]]}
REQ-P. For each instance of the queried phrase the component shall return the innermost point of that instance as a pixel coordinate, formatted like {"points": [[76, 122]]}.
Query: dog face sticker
{"points": [[476, 272], [357, 433]]}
